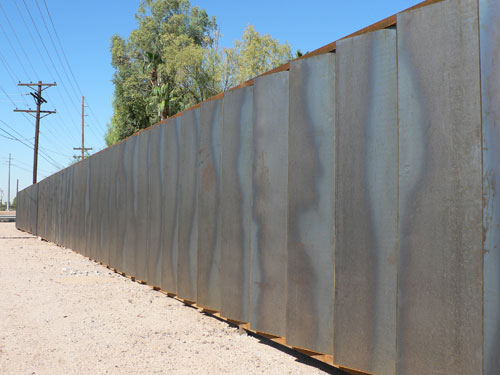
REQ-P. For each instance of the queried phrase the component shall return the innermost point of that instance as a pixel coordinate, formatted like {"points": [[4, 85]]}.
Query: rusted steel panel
{"points": [[77, 210], [156, 203], [140, 173], [209, 198], [113, 220], [100, 206], [122, 203], [489, 21], [366, 203], [65, 208], [22, 210], [93, 216], [170, 177], [311, 215], [131, 211], [188, 206], [236, 203], [45, 202], [27, 209], [270, 204], [106, 206], [440, 272]]}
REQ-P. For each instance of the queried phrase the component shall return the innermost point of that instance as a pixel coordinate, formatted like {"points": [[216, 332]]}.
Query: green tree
{"points": [[173, 60], [255, 54], [158, 68], [251, 56]]}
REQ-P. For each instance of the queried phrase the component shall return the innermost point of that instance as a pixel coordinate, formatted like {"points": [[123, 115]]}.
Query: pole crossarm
{"points": [[34, 86], [39, 100], [33, 111]]}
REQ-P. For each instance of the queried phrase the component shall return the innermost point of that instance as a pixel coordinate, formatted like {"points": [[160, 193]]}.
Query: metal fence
{"points": [[348, 204]]}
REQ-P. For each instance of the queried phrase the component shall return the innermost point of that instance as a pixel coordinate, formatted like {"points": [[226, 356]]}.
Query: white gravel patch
{"points": [[61, 313]]}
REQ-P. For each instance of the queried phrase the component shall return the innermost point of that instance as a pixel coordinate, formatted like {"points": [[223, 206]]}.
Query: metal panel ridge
{"points": [[209, 226], [489, 22], [270, 204], [169, 164], [156, 204], [440, 191], [311, 215], [188, 206], [141, 206], [236, 203], [130, 234], [366, 203]]}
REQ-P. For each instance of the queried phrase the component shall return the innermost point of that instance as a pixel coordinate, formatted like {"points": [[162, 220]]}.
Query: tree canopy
{"points": [[173, 60]]}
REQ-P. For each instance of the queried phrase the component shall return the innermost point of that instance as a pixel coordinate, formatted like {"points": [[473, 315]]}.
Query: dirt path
{"points": [[63, 314]]}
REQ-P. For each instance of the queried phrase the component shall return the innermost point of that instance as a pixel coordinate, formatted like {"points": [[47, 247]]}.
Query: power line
{"points": [[4, 136], [14, 50], [55, 48], [47, 52], [69, 65], [18, 40], [14, 138], [31, 36], [62, 49], [10, 72], [31, 145], [37, 95]]}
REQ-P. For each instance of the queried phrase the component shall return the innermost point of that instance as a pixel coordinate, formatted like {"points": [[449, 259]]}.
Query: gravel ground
{"points": [[61, 313]]}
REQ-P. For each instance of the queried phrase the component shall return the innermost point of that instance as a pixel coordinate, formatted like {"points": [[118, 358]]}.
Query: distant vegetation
{"points": [[173, 60]]}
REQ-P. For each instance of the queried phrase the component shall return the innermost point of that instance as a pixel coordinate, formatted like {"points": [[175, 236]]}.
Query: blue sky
{"points": [[84, 29]]}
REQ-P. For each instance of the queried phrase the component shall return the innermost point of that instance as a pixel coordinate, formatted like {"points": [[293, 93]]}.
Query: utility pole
{"points": [[83, 149], [17, 191], [8, 190], [39, 100]]}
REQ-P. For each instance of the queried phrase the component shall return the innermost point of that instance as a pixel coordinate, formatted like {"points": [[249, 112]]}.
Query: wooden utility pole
{"points": [[39, 100], [83, 131]]}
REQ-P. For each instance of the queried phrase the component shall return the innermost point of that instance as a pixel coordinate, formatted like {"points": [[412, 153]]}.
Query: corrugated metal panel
{"points": [[156, 204], [440, 191], [489, 19], [236, 203], [209, 226], [188, 205], [311, 215], [270, 204], [171, 176], [366, 203]]}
